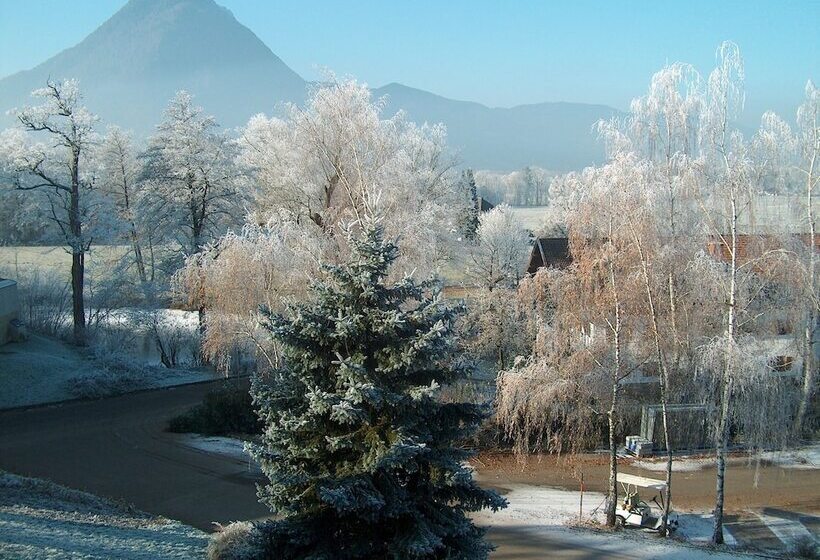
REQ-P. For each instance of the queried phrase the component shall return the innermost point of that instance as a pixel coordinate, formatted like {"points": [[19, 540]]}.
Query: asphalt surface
{"points": [[118, 448]]}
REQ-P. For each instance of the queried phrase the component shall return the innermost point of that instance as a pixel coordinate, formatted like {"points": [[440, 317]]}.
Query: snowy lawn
{"points": [[42, 520], [551, 512], [43, 370]]}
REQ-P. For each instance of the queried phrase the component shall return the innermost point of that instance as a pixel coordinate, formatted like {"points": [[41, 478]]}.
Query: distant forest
{"points": [[525, 187]]}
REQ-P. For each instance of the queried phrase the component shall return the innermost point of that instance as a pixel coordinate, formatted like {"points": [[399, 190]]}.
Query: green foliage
{"points": [[363, 458], [225, 411]]}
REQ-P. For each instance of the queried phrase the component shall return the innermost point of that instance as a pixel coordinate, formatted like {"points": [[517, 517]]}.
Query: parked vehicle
{"points": [[633, 511]]}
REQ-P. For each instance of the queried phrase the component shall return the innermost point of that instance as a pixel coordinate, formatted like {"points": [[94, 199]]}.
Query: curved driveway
{"points": [[117, 448]]}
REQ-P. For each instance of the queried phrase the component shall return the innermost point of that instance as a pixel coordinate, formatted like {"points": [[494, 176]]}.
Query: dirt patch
{"points": [[748, 486]]}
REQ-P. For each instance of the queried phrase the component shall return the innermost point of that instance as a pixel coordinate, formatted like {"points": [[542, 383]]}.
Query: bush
{"points": [[228, 410], [237, 541], [805, 547]]}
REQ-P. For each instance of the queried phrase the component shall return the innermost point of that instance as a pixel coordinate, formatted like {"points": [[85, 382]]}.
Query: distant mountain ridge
{"points": [[132, 64]]}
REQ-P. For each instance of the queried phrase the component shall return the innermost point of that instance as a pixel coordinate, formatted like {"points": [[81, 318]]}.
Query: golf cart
{"points": [[632, 511]]}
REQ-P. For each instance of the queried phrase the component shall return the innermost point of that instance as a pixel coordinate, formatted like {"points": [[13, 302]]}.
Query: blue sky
{"points": [[494, 52]]}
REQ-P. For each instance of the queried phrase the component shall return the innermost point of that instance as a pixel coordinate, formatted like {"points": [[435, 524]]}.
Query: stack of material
{"points": [[639, 446]]}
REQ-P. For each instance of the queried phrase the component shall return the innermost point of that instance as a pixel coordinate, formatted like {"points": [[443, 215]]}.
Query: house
{"points": [[483, 205], [549, 252], [9, 308]]}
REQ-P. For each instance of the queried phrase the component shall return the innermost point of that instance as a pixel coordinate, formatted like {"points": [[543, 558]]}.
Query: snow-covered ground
{"points": [[228, 447], [538, 508], [42, 520], [807, 457], [552, 513], [43, 370]]}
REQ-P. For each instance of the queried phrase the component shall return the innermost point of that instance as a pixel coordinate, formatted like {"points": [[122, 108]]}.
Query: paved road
{"points": [[118, 448]]}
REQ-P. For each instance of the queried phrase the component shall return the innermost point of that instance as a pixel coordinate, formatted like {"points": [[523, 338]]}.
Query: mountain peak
{"points": [[134, 63], [149, 49]]}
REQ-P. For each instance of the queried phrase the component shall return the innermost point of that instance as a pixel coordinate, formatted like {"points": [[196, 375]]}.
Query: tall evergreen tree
{"points": [[468, 220], [363, 459]]}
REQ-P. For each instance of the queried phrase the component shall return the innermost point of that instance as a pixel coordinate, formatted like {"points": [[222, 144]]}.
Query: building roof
{"points": [[484, 205], [550, 252]]}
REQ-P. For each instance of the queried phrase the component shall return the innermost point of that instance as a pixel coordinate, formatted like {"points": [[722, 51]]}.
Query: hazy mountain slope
{"points": [[134, 62], [556, 136]]}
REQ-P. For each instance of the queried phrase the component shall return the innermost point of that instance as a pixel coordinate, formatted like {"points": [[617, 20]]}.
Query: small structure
{"points": [[549, 252], [9, 308], [483, 205], [688, 426]]}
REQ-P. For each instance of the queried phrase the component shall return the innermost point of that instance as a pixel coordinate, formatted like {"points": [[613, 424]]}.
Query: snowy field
{"points": [[40, 520], [43, 370]]}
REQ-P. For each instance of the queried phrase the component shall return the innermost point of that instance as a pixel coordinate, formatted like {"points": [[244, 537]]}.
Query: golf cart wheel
{"points": [[620, 522]]}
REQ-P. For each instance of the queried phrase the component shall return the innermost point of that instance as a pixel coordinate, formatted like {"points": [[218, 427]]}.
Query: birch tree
{"points": [[591, 326], [808, 123], [119, 180], [662, 129]]}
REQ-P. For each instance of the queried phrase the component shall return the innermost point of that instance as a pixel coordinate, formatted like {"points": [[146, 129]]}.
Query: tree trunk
{"points": [[664, 378], [612, 494], [809, 369], [722, 433], [77, 253], [77, 298], [138, 258]]}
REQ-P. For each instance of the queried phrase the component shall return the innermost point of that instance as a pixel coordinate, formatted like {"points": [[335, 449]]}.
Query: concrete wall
{"points": [[9, 307]]}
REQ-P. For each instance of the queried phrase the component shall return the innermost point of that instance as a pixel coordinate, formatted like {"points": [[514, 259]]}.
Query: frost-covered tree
{"points": [[193, 186], [315, 171], [362, 459], [808, 122], [502, 244], [325, 162], [524, 187], [468, 219], [582, 352], [58, 168], [119, 172]]}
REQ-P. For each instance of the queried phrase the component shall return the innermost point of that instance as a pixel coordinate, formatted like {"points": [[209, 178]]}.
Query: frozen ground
{"points": [[537, 508], [43, 369], [806, 458], [551, 513], [42, 520], [229, 447]]}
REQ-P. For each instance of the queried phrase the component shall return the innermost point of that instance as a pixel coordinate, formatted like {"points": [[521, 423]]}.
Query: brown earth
{"points": [[792, 489]]}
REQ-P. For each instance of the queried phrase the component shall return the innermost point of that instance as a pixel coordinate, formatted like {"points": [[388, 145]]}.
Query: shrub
{"points": [[805, 547], [228, 410], [237, 541]]}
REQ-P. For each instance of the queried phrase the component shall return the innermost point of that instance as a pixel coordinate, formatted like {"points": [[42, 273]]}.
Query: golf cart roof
{"points": [[641, 481]]}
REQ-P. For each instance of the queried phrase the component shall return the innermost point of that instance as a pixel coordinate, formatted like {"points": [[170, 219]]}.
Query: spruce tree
{"points": [[363, 459], [468, 220]]}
